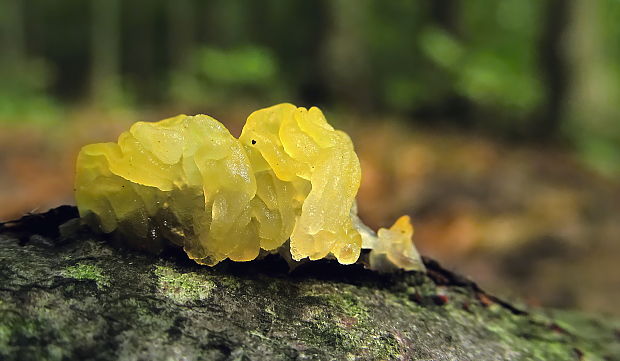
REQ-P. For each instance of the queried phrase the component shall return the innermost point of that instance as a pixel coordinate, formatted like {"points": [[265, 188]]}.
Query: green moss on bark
{"points": [[83, 299], [183, 287], [83, 271]]}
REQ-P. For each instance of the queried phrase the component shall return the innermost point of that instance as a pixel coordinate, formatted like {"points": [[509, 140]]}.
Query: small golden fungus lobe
{"points": [[394, 248]]}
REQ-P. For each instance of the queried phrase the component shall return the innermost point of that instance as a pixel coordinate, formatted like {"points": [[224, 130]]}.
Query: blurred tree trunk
{"points": [[592, 101], [226, 24], [105, 49], [313, 80], [445, 14], [555, 74], [12, 40], [345, 59], [180, 32], [142, 48]]}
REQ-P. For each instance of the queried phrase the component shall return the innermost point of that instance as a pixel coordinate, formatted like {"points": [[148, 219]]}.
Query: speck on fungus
{"points": [[229, 198]]}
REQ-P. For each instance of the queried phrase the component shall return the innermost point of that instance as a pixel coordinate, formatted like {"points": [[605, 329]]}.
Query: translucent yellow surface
{"points": [[188, 180], [394, 248]]}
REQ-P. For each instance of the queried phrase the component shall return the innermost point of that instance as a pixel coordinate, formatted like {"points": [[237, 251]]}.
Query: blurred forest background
{"points": [[494, 124]]}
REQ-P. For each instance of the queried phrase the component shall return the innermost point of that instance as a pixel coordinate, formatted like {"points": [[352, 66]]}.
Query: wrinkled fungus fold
{"points": [[187, 180]]}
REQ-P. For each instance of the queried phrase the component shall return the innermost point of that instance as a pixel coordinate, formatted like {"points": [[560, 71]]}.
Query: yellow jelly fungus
{"points": [[187, 180], [394, 247]]}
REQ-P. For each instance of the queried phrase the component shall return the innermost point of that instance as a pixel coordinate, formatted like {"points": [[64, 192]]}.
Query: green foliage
{"points": [[216, 75], [238, 67], [487, 54], [502, 65], [400, 57], [23, 96]]}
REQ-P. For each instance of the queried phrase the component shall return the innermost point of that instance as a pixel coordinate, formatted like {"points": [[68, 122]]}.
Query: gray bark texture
{"points": [[69, 295]]}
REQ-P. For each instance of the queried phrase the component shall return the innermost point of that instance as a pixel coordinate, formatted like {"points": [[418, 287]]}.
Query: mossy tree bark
{"points": [[73, 296]]}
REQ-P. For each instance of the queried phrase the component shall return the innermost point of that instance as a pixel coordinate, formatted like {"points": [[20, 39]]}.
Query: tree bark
{"points": [[67, 294]]}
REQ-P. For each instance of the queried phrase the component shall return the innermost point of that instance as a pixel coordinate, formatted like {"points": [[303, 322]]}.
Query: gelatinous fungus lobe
{"points": [[187, 180], [318, 166], [183, 179]]}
